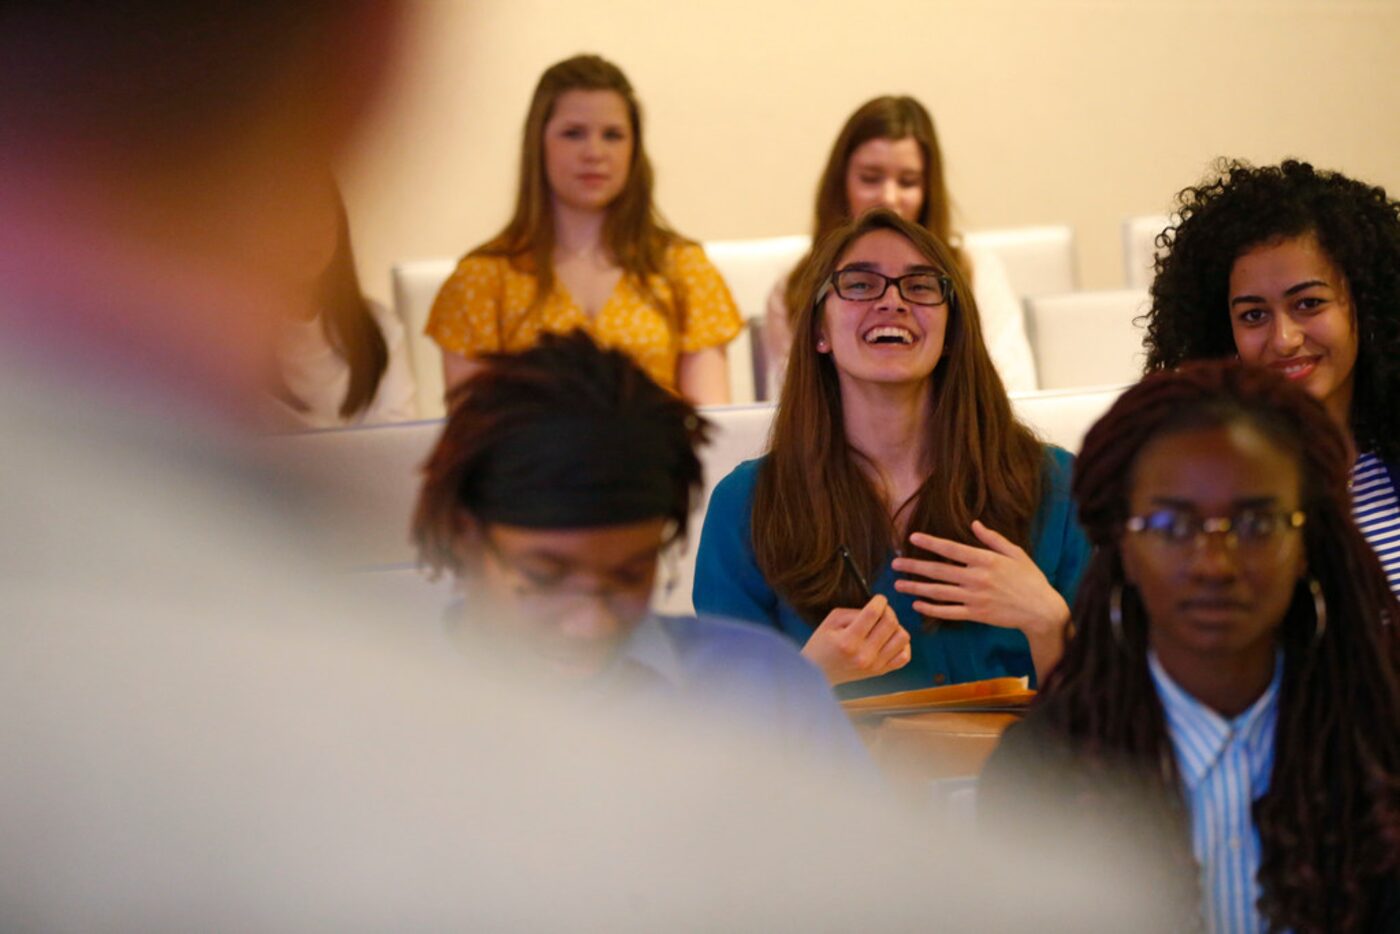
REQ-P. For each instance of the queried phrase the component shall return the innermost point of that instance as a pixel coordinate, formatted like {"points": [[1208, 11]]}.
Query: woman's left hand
{"points": [[998, 585]]}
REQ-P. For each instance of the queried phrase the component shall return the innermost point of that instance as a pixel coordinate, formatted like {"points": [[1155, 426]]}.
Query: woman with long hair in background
{"points": [[587, 250], [887, 155]]}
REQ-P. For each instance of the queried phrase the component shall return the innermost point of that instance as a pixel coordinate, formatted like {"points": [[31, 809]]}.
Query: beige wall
{"points": [[1074, 111]]}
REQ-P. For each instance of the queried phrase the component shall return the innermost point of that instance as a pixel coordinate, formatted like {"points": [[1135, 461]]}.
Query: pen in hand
{"points": [[854, 571]]}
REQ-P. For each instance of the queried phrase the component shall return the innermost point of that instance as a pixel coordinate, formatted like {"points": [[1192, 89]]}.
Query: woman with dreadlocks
{"points": [[1234, 665]]}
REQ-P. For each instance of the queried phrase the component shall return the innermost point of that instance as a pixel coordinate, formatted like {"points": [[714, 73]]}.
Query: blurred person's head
{"points": [[560, 476], [154, 148], [582, 145], [1216, 496], [582, 152], [1291, 268], [886, 155]]}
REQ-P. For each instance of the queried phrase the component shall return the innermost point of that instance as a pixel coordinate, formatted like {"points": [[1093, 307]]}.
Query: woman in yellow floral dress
{"points": [[586, 250]]}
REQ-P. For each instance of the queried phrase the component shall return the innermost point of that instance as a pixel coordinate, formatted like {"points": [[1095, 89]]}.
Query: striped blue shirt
{"points": [[1225, 766], [1377, 512]]}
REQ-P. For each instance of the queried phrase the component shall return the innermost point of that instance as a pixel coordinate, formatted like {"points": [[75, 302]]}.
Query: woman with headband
{"points": [[561, 475]]}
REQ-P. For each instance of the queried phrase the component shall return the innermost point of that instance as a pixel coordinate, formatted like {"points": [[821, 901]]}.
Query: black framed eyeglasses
{"points": [[866, 285], [1253, 530]]}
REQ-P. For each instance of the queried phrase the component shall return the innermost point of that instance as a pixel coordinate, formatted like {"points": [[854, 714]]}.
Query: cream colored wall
{"points": [[1073, 111]]}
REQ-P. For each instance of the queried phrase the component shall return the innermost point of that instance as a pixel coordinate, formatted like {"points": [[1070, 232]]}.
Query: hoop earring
{"points": [[1319, 609], [1115, 615]]}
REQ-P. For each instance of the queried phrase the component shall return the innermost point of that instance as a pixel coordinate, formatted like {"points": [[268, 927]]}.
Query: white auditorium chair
{"points": [[1038, 260], [1140, 248], [1086, 338], [750, 268], [740, 433], [374, 472], [371, 477], [416, 284], [1064, 416]]}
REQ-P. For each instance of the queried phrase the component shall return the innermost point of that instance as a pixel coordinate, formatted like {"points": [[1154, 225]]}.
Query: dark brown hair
{"points": [[348, 323], [562, 375], [634, 232], [1330, 823], [892, 118], [350, 326], [813, 493], [153, 80]]}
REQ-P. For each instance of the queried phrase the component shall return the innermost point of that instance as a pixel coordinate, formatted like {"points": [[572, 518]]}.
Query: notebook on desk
{"points": [[999, 695]]}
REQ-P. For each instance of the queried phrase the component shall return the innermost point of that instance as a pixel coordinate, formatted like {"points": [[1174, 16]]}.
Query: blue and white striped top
{"points": [[1377, 512], [1225, 767]]}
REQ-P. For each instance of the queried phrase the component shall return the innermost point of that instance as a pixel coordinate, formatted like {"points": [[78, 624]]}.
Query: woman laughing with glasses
{"points": [[895, 459]]}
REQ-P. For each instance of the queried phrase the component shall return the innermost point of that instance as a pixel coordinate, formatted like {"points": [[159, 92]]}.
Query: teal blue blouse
{"points": [[729, 583]]}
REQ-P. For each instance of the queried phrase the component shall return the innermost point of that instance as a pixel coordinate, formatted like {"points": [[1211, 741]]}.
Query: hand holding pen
{"points": [[852, 644]]}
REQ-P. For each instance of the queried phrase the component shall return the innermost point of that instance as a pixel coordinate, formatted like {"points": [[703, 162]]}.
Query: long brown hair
{"points": [[892, 118], [349, 325], [633, 232], [351, 328], [1329, 826], [813, 495]]}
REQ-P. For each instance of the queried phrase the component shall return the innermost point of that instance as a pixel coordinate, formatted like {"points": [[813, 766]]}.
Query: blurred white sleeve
{"points": [[396, 398], [1003, 321]]}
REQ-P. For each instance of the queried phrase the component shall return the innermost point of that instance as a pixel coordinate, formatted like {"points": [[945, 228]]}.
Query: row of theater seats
{"points": [[376, 470], [1078, 338]]}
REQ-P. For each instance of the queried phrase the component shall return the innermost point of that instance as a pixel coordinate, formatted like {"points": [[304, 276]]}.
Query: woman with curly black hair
{"points": [[1232, 691], [1298, 270]]}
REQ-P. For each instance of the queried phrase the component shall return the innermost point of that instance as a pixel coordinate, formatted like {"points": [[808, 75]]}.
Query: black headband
{"points": [[578, 471]]}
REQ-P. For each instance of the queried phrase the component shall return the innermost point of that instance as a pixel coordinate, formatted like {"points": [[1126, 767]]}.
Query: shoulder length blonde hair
{"points": [[634, 232], [813, 492], [893, 118]]}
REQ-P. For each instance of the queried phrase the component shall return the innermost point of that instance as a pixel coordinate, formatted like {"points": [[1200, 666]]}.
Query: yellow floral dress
{"points": [[484, 307]]}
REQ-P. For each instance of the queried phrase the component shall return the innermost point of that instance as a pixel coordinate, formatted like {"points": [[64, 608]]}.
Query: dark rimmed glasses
{"points": [[916, 288]]}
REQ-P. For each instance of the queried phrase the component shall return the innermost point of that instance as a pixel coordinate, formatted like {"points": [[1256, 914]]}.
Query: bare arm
{"points": [[703, 376]]}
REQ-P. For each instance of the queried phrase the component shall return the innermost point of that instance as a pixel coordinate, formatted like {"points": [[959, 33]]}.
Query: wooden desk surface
{"points": [[917, 748]]}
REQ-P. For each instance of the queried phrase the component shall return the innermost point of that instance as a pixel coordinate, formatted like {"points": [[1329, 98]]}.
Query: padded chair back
{"points": [[1064, 416], [750, 268], [416, 284], [1086, 338], [1140, 248], [375, 475], [371, 477], [1038, 260], [740, 433]]}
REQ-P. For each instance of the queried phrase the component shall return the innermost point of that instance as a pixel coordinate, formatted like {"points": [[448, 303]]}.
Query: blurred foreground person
{"points": [[201, 731], [1235, 668], [561, 475]]}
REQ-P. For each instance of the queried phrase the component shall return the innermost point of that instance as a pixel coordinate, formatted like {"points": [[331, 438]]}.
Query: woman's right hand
{"points": [[853, 644]]}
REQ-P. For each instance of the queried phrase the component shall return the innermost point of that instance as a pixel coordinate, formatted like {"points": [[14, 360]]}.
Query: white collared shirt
{"points": [[1225, 767]]}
